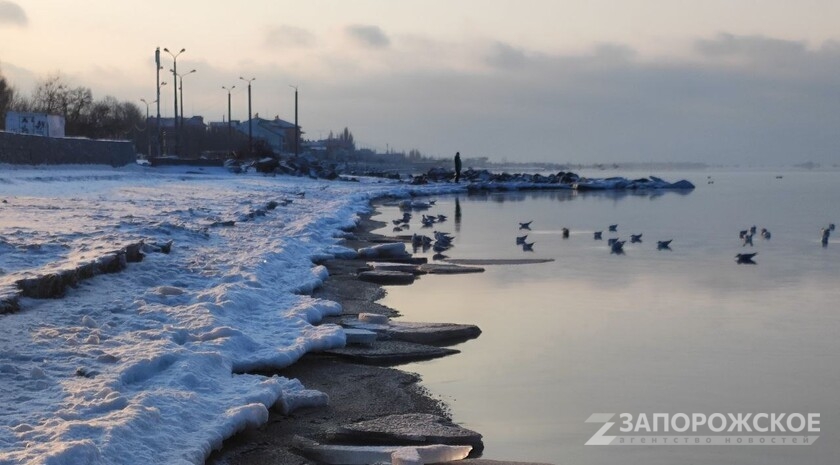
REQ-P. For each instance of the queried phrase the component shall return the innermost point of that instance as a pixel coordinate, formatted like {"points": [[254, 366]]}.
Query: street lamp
{"points": [[148, 139], [181, 88], [230, 127], [175, 91], [250, 122], [297, 128]]}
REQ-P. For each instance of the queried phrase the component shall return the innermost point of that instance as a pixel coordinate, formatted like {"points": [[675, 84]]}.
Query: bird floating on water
{"points": [[565, 233], [745, 258], [635, 238], [748, 240], [613, 227], [528, 246], [526, 225], [765, 233], [521, 239], [617, 247], [612, 241], [664, 245], [598, 235]]}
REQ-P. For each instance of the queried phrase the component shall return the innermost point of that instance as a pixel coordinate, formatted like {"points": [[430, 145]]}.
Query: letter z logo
{"points": [[599, 439]]}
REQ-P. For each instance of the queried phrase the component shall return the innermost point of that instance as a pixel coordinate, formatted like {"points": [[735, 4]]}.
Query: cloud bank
{"points": [[12, 13]]}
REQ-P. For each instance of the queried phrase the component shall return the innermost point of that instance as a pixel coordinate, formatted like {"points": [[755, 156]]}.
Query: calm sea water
{"points": [[680, 331]]}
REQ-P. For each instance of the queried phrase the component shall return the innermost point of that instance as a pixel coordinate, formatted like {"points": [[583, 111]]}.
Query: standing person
{"points": [[457, 166]]}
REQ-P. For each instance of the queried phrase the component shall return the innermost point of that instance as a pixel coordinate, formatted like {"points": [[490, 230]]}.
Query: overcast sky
{"points": [[752, 82]]}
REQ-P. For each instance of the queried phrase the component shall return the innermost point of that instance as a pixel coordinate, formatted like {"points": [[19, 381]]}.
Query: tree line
{"points": [[84, 116]]}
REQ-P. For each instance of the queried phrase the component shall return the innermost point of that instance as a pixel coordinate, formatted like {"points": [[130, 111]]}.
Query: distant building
{"points": [[38, 124], [277, 133]]}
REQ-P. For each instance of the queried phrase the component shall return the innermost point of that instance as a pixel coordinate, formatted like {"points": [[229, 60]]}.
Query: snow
{"points": [[153, 364]]}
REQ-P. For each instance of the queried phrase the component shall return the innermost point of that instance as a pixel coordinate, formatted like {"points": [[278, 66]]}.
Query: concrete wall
{"points": [[21, 149]]}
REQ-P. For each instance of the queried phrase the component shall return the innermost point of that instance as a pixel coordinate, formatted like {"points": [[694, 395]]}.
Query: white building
{"points": [[39, 124]]}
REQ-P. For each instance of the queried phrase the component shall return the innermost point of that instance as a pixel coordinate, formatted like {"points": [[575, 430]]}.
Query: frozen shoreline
{"points": [[136, 366]]}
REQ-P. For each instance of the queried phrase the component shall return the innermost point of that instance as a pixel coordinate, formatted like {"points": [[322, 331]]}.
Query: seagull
{"points": [[521, 239], [612, 241], [441, 218], [634, 238], [613, 227], [526, 225], [765, 233], [617, 247], [745, 258], [528, 246], [598, 235], [752, 230], [565, 233], [743, 233], [439, 256], [418, 240], [664, 245], [825, 233], [748, 240]]}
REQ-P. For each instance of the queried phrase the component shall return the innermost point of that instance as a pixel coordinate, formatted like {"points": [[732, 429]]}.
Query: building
{"points": [[277, 133], [39, 124]]}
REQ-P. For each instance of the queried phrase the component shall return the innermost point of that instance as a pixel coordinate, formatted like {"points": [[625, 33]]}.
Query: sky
{"points": [[747, 82]]}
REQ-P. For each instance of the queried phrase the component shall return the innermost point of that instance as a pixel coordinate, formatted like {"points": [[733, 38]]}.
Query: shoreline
{"points": [[356, 391]]}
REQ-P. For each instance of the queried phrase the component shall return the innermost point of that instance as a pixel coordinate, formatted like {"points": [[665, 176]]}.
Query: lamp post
{"points": [[157, 87], [181, 89], [230, 125], [175, 90], [250, 122], [148, 139], [297, 128]]}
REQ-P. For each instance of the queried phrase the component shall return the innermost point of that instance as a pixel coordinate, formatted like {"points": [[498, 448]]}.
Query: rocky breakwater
{"points": [[486, 180]]}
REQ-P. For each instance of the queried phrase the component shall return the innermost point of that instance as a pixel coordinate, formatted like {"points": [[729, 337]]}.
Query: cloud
{"points": [[369, 36], [12, 13], [610, 104], [286, 36]]}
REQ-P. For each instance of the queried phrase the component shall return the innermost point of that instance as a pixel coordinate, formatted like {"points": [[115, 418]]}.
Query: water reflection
{"points": [[650, 331]]}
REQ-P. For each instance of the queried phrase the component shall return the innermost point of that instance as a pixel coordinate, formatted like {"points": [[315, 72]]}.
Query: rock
{"points": [[387, 250], [363, 455], [9, 297], [391, 352], [437, 268], [411, 428], [402, 267], [387, 277], [420, 333], [373, 318], [682, 184], [359, 336]]}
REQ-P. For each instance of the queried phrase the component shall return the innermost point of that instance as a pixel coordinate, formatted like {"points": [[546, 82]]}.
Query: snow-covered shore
{"points": [[150, 365]]}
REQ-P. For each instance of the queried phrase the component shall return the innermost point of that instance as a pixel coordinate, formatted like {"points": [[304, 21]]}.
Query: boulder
{"points": [[387, 250], [391, 352], [407, 429]]}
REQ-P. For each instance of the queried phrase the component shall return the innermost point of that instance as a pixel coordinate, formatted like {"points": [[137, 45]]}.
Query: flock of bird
{"points": [[616, 245], [440, 241]]}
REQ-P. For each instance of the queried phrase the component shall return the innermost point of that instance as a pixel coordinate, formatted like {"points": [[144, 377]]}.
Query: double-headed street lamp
{"points": [[181, 89], [174, 76], [250, 123]]}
